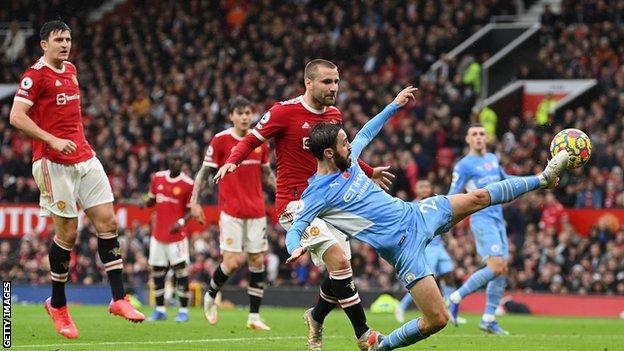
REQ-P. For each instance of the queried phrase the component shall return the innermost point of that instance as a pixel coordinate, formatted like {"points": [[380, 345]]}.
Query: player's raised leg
{"points": [[103, 218], [60, 249], [255, 290], [428, 299]]}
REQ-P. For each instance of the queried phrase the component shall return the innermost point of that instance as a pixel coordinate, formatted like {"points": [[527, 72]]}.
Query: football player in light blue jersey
{"points": [[475, 171], [342, 195], [436, 255]]}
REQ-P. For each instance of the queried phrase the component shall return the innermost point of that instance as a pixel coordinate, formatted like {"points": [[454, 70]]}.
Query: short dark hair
{"points": [[323, 136], [473, 125], [239, 102], [311, 68], [51, 27]]}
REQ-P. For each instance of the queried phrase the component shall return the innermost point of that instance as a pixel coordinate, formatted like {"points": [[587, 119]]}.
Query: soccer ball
{"points": [[576, 143]]}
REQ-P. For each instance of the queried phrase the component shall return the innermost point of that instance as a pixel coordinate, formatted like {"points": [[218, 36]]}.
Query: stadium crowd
{"points": [[161, 76]]}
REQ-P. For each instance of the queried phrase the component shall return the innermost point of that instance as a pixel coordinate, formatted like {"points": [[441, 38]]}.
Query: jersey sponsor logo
{"points": [[358, 187], [305, 125], [63, 99], [333, 184], [305, 143], [26, 83], [160, 198], [57, 83]]}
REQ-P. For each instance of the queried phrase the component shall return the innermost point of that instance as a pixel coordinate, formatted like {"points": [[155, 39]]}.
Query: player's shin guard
{"points": [[407, 334], [476, 281], [182, 283], [255, 290], [59, 269], [110, 254], [326, 301], [349, 299], [494, 291], [219, 277], [509, 189], [158, 277]]}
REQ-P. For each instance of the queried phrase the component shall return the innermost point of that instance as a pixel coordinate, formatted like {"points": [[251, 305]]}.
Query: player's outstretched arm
{"points": [[373, 127], [19, 119]]}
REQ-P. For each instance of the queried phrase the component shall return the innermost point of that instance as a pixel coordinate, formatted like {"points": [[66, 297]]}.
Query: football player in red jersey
{"points": [[242, 219], [289, 124], [46, 107], [170, 193]]}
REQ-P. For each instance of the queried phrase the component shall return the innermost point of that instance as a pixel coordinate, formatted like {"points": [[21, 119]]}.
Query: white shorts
{"points": [[64, 186], [238, 235], [163, 254], [318, 237]]}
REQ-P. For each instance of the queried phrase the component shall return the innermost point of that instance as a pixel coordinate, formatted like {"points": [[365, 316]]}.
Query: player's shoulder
{"points": [[223, 134], [70, 67], [160, 174], [285, 106], [186, 179]]}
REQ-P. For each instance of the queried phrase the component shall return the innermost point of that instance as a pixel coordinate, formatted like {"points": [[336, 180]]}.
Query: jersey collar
{"points": [[171, 180], [310, 108], [56, 70]]}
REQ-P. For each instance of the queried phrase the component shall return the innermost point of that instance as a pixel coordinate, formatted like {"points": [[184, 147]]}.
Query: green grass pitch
{"points": [[32, 330]]}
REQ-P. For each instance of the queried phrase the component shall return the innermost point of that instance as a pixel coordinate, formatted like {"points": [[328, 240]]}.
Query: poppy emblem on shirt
{"points": [[488, 166], [176, 190], [315, 231], [346, 175]]}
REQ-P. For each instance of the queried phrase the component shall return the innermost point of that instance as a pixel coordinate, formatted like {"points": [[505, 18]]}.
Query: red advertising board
{"points": [[17, 220]]}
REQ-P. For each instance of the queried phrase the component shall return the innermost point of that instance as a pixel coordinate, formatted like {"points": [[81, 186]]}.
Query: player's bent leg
{"points": [[341, 276], [255, 290], [158, 279], [59, 256], [427, 297], [182, 290]]}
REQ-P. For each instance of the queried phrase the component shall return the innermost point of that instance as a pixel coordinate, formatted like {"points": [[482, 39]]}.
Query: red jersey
{"points": [[289, 124], [172, 197], [240, 193], [54, 99]]}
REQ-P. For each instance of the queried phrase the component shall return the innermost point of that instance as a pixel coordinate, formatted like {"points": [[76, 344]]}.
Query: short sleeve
{"points": [[271, 124], [30, 86], [211, 159]]}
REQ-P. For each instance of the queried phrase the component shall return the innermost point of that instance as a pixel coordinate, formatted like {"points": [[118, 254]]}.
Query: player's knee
{"points": [[232, 263], [498, 267], [481, 198], [336, 259], [67, 238], [106, 225], [436, 321]]}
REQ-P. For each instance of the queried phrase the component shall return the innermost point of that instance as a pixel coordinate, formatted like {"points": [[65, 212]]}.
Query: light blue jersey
{"points": [[475, 172], [355, 205]]}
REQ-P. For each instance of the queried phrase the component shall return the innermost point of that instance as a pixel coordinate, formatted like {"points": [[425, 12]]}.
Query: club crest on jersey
{"points": [[409, 277], [495, 248], [315, 231], [229, 241], [61, 205], [176, 190], [26, 83], [258, 150]]}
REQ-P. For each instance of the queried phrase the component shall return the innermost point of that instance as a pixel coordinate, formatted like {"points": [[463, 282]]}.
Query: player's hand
{"points": [[297, 254], [197, 213], [223, 171], [382, 177], [405, 95], [64, 146], [175, 228]]}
